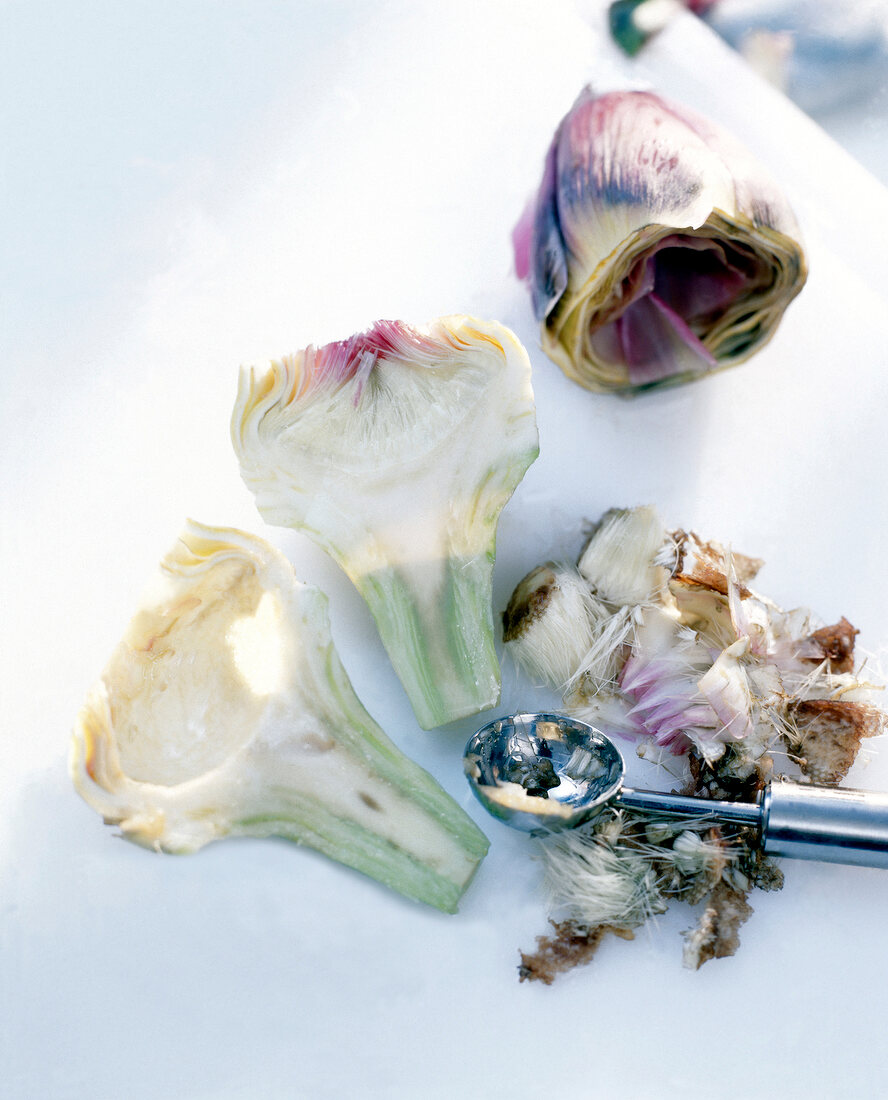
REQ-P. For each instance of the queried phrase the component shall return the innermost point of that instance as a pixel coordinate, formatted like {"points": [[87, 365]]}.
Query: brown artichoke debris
{"points": [[572, 945], [829, 733], [703, 563], [835, 644], [716, 936], [528, 601], [719, 779]]}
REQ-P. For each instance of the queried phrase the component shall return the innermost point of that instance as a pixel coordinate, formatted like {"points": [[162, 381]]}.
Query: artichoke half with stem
{"points": [[395, 451], [226, 711]]}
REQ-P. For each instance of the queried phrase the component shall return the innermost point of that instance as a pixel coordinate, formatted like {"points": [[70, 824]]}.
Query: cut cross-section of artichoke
{"points": [[225, 710], [657, 249], [396, 451]]}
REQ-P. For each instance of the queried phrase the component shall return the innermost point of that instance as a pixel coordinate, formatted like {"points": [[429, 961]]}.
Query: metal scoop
{"points": [[544, 772]]}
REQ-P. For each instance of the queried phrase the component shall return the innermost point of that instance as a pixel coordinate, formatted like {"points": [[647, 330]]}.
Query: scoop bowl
{"points": [[542, 772]]}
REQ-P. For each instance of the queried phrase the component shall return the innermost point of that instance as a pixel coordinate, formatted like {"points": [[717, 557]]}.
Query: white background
{"points": [[192, 186]]}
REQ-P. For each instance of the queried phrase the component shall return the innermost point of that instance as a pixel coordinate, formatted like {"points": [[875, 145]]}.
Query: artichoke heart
{"points": [[225, 710], [396, 450]]}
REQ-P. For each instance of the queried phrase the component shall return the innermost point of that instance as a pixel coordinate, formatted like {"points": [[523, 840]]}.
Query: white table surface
{"points": [[192, 186]]}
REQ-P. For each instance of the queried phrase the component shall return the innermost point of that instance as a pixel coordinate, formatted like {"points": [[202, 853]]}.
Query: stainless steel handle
{"points": [[832, 824], [681, 805], [798, 821]]}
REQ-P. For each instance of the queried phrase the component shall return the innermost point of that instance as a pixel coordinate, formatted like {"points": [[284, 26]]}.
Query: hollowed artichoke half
{"points": [[225, 710]]}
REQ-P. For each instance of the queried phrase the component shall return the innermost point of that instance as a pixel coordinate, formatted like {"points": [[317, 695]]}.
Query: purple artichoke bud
{"points": [[657, 249]]}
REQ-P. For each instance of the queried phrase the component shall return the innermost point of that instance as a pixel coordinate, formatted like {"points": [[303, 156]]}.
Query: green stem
{"points": [[308, 821], [436, 623]]}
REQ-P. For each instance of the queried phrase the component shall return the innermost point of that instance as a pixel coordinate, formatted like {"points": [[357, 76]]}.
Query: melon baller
{"points": [[544, 772]]}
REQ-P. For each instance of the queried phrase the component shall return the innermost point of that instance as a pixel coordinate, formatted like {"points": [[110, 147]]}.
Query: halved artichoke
{"points": [[396, 451], [225, 710], [657, 249]]}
